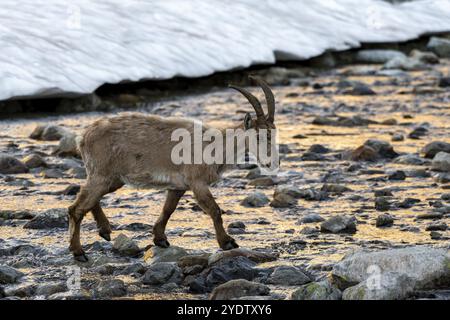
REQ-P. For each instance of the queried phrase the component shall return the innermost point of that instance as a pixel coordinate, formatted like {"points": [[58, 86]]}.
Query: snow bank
{"points": [[61, 46]]}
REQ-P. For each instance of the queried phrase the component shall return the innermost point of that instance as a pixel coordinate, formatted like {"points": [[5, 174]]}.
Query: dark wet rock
{"points": [[136, 226], [162, 273], [318, 148], [441, 162], [49, 219], [288, 276], [430, 215], [237, 227], [310, 156], [299, 136], [255, 199], [322, 290], [363, 153], [11, 165], [34, 161], [111, 288], [383, 193], [136, 268], [378, 55], [19, 215], [228, 269], [283, 199], [311, 218], [383, 148], [9, 275], [433, 148], [309, 231], [434, 235], [385, 286], [158, 254], [442, 178], [313, 195], [408, 203], [355, 121], [126, 246], [383, 203], [384, 220], [426, 266], [444, 82], [445, 196], [71, 190], [437, 227], [418, 132], [440, 46], [397, 175], [239, 288], [339, 224], [47, 289], [253, 174]]}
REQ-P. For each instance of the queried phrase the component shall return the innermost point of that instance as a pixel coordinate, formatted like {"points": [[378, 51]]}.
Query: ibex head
{"points": [[264, 125]]}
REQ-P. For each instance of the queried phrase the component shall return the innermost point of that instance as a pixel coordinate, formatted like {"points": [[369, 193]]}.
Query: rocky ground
{"points": [[365, 170]]}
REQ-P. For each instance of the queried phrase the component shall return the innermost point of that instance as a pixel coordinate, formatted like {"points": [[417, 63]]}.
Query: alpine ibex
{"points": [[135, 149]]}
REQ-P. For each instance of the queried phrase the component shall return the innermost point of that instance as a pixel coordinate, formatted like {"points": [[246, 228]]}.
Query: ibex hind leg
{"points": [[103, 225], [87, 199]]}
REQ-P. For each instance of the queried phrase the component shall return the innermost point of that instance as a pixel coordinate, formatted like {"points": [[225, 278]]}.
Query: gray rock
{"points": [[171, 254], [433, 148], [111, 288], [410, 159], [425, 57], [383, 148], [10, 165], [405, 63], [49, 219], [9, 275], [383, 286], [67, 146], [20, 214], [384, 220], [339, 224], [70, 295], [256, 199], [322, 290], [253, 255], [49, 132], [398, 137], [426, 266], [444, 82], [382, 203], [378, 55], [162, 273], [311, 218], [440, 46], [239, 288], [441, 162], [21, 290], [288, 276], [126, 246], [52, 174], [228, 269]]}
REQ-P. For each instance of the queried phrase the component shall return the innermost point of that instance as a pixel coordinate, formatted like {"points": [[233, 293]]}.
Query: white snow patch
{"points": [[61, 46]]}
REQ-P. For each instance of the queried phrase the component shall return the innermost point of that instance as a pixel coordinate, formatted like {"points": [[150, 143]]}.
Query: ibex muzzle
{"points": [[136, 149]]}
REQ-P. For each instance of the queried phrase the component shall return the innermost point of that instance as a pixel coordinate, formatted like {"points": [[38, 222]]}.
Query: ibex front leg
{"points": [[172, 199], [206, 201]]}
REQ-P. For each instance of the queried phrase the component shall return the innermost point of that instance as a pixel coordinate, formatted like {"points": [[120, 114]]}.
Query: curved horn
{"points": [[270, 99], [252, 99]]}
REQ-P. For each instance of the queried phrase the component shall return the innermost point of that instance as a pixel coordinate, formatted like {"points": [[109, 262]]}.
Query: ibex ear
{"points": [[247, 121]]}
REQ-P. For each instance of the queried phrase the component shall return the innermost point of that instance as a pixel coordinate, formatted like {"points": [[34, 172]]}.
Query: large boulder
{"points": [[426, 266], [385, 286], [239, 288], [441, 162]]}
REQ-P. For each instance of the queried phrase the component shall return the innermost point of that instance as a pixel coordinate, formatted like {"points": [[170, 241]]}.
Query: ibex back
{"points": [[136, 149]]}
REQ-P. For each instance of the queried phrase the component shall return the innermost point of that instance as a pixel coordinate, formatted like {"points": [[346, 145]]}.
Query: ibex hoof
{"points": [[82, 257], [105, 235], [162, 243], [230, 244]]}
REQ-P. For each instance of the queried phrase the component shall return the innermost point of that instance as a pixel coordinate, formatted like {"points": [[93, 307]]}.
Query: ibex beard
{"points": [[146, 151]]}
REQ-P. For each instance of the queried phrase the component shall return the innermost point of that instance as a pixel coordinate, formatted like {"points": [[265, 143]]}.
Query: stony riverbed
{"points": [[357, 173]]}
